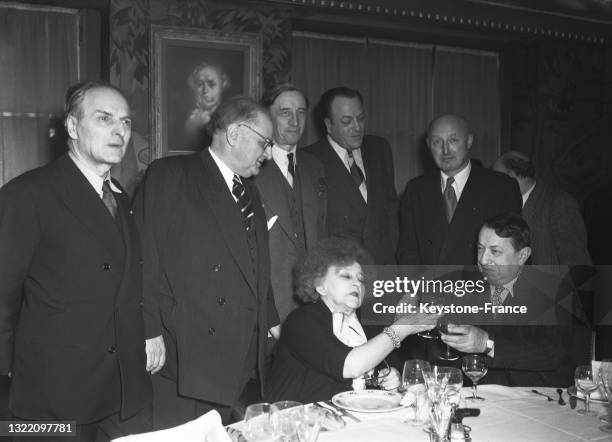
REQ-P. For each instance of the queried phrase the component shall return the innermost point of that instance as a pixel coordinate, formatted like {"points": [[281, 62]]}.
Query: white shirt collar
{"points": [[279, 156], [94, 179], [343, 154], [227, 173], [460, 179], [526, 196]]}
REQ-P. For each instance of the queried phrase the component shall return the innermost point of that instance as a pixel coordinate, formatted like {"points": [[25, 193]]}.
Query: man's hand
{"points": [[466, 338], [275, 332], [156, 354]]}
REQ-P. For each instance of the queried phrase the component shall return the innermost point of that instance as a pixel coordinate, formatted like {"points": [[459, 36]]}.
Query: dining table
{"points": [[506, 414]]}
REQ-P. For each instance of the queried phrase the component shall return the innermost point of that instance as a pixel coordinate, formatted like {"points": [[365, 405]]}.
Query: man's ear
{"points": [[232, 134], [327, 122], [524, 255], [470, 140], [71, 124]]}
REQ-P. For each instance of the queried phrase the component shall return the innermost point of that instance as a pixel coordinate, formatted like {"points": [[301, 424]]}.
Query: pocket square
{"points": [[271, 222]]}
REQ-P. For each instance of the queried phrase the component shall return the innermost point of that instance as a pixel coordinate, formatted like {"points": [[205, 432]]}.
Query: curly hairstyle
{"points": [[330, 252]]}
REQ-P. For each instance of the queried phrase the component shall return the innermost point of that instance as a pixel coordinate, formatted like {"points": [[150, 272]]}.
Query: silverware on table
{"points": [[542, 394], [560, 392], [341, 410]]}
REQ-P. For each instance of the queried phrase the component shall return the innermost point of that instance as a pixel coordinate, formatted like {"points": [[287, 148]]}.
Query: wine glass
{"points": [[449, 354], [583, 377], [605, 377], [414, 383], [475, 367], [431, 299], [258, 426], [284, 415]]}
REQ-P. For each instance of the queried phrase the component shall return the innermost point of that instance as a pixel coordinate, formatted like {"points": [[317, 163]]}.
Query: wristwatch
{"points": [[489, 347]]}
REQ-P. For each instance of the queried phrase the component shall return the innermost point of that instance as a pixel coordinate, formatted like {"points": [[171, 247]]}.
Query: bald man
{"points": [[441, 212]]}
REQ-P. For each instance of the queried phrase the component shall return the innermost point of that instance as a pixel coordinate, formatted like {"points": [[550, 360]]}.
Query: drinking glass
{"points": [[429, 298], [475, 367], [605, 378], [449, 354], [258, 426], [284, 415], [309, 422], [414, 382], [436, 381], [583, 377]]}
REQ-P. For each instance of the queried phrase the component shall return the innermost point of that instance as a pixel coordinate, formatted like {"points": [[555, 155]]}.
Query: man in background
{"points": [[557, 229], [441, 211], [361, 197], [207, 266], [293, 193], [71, 325]]}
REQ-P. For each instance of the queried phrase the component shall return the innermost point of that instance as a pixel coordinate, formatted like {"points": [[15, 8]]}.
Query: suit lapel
{"points": [[271, 181], [338, 169], [85, 204], [434, 212], [310, 202], [215, 192]]}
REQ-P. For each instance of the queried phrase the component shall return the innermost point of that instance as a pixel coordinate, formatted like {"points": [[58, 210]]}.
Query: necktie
{"points": [[496, 296], [108, 198], [356, 172], [291, 168], [450, 199], [244, 202]]}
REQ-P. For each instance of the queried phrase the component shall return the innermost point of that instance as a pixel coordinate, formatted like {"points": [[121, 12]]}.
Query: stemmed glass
{"points": [[605, 377], [431, 299], [258, 424], [284, 415], [585, 383], [449, 354], [583, 377], [475, 367], [414, 382]]}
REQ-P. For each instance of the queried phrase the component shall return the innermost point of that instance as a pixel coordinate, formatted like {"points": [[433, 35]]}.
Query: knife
{"points": [[341, 410]]}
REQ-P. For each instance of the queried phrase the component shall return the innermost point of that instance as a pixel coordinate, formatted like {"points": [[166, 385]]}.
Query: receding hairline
{"points": [[449, 119]]}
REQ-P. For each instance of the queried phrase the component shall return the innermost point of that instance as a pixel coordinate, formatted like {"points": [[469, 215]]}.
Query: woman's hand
{"points": [[389, 379], [411, 324]]}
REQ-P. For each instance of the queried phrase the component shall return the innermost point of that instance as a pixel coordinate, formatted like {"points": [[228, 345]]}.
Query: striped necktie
{"points": [[244, 202], [356, 172]]}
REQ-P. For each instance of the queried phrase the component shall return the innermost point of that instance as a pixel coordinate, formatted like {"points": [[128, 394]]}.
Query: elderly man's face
{"points": [[289, 117], [346, 124], [498, 260], [102, 129], [449, 143], [252, 148]]}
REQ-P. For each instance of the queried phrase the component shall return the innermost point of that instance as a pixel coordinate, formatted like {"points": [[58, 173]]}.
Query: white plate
{"points": [[598, 396], [369, 401]]}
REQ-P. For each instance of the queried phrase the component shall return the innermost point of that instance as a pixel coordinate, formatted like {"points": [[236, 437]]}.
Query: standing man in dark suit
{"points": [[361, 197], [293, 192], [207, 266], [557, 229], [71, 325], [441, 212], [523, 349]]}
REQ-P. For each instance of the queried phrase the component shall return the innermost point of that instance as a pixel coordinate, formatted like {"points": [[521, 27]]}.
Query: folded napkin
{"points": [[206, 428]]}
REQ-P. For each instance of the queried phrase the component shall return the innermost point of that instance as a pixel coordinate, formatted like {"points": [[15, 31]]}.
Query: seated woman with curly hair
{"points": [[323, 348]]}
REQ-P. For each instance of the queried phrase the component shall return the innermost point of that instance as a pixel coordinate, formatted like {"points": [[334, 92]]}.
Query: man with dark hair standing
{"points": [[361, 197], [558, 231], [441, 212], [71, 325], [293, 192], [207, 266]]}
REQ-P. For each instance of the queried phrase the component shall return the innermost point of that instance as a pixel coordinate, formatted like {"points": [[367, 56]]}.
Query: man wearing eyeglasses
{"points": [[293, 191], [206, 265]]}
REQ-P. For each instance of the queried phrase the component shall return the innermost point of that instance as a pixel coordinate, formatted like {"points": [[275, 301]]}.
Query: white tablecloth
{"points": [[507, 414]]}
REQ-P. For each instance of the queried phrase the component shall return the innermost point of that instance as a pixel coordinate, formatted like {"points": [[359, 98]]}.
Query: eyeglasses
{"points": [[267, 141]]}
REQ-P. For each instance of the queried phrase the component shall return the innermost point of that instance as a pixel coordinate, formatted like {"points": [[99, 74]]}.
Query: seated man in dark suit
{"points": [[532, 353]]}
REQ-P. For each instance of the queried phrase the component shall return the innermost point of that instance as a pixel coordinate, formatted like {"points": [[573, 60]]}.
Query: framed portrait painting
{"points": [[191, 72]]}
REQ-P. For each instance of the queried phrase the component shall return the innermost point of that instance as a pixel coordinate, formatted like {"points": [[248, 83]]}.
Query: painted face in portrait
{"points": [[102, 128], [342, 288], [498, 260], [289, 115], [346, 124], [251, 145], [449, 142], [208, 86]]}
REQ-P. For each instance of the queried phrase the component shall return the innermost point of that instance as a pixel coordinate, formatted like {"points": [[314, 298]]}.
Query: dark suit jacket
{"points": [[62, 255], [283, 251], [426, 236], [558, 233], [198, 272], [378, 231]]}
